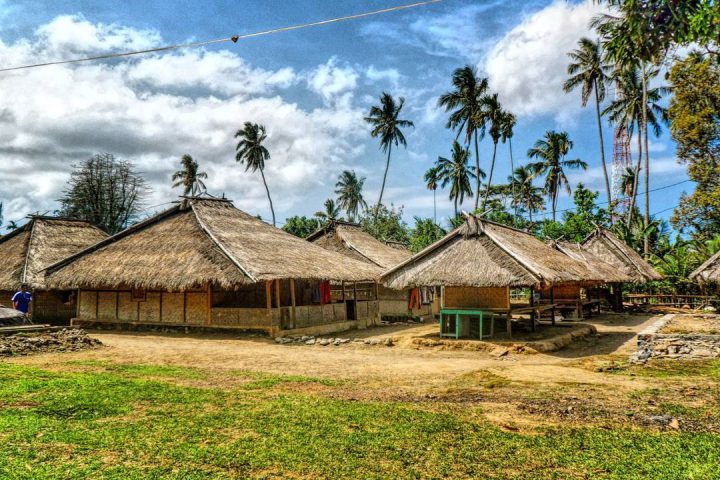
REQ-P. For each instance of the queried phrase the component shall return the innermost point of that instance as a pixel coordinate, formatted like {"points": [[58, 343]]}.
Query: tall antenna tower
{"points": [[621, 162]]}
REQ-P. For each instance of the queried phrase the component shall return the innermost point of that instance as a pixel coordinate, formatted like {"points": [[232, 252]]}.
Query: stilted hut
{"points": [[605, 246], [26, 251], [204, 263], [476, 265], [350, 240]]}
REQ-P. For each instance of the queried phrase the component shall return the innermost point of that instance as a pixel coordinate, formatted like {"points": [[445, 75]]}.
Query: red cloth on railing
{"points": [[414, 298], [325, 296]]}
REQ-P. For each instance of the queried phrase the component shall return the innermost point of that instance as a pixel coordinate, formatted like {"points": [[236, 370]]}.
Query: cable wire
{"points": [[233, 38]]}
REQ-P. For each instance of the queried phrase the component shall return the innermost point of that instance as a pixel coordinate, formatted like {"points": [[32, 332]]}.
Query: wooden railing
{"points": [[671, 300]]}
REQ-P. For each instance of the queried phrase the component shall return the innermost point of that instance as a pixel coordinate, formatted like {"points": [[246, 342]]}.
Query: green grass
{"points": [[115, 423]]}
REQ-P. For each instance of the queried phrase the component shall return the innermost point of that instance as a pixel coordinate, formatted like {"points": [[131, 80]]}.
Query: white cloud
{"points": [[153, 110], [331, 80], [528, 65], [391, 75]]}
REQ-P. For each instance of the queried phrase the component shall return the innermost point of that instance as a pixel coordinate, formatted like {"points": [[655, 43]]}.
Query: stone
{"points": [[278, 339], [336, 342], [344, 340], [674, 424], [389, 342], [324, 341], [310, 341], [500, 352], [374, 341]]}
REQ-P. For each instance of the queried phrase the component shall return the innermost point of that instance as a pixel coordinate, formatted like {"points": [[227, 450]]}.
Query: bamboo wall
{"points": [[568, 291], [159, 307], [477, 297]]}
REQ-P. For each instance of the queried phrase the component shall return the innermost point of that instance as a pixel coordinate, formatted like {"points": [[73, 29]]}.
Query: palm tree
{"points": [[349, 191], [456, 173], [551, 151], [493, 116], [432, 179], [331, 213], [628, 181], [12, 225], [251, 151], [525, 194], [189, 178], [588, 71], [464, 103], [386, 125], [508, 127]]}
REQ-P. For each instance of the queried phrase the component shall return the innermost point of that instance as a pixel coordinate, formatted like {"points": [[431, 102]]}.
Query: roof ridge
{"points": [[530, 269]]}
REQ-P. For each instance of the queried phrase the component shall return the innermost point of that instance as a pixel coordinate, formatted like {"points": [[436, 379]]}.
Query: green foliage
{"points": [[586, 216], [349, 191], [455, 172], [386, 224], [301, 226], [331, 212], [189, 178], [251, 152], [426, 232], [695, 125]]}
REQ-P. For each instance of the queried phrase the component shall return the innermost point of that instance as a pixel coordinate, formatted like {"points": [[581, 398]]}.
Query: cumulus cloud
{"points": [[528, 65], [153, 110]]}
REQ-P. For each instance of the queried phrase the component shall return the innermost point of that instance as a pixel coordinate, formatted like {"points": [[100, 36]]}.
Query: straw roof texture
{"points": [[41, 242], [599, 270], [198, 242], [349, 239], [484, 254], [709, 271], [604, 245]]}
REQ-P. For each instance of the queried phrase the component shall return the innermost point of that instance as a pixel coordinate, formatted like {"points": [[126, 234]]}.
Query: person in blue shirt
{"points": [[21, 300]]}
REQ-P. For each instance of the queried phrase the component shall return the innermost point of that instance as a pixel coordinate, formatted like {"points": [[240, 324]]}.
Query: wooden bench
{"points": [[589, 305]]}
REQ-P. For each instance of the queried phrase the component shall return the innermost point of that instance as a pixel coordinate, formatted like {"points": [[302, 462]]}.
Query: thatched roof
{"points": [[485, 254], [709, 271], [349, 239], [203, 241], [604, 245], [599, 270], [26, 251]]}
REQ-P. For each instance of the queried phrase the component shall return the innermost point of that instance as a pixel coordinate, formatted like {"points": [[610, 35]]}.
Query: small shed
{"points": [[27, 250], [708, 272], [350, 240], [205, 263]]}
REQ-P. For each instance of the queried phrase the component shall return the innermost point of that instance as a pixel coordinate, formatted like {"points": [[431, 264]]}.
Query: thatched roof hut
{"points": [[482, 253], [604, 245], [350, 240], [599, 269], [198, 242], [26, 251], [709, 271]]}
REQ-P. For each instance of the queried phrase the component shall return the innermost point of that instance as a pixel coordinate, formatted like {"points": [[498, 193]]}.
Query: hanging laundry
{"points": [[316, 295], [414, 299], [325, 294]]}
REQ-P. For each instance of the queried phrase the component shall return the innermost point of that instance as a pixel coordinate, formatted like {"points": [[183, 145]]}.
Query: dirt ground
{"points": [[693, 324]]}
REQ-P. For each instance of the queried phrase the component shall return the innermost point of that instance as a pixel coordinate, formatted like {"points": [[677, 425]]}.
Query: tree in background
{"points": [[551, 152], [494, 117], [12, 225], [432, 180], [585, 217], [349, 191], [455, 172], [386, 224], [387, 125], [508, 130], [105, 191], [426, 232], [331, 212], [694, 115], [588, 71], [525, 195], [301, 226], [463, 103], [251, 151], [189, 177]]}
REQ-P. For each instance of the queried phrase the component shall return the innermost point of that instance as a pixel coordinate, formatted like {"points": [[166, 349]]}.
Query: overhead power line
{"points": [[234, 38]]}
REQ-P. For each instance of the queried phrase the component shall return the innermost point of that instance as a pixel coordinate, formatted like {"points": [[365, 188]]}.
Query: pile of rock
{"points": [[387, 320], [325, 341], [65, 340]]}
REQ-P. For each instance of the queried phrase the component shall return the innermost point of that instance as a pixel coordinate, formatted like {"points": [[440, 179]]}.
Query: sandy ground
{"points": [[693, 324], [403, 367]]}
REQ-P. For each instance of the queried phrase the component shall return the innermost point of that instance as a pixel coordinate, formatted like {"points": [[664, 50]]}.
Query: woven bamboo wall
{"points": [[477, 297], [562, 292]]}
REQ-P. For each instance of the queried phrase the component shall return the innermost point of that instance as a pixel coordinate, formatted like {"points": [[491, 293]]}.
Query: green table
{"points": [[457, 313]]}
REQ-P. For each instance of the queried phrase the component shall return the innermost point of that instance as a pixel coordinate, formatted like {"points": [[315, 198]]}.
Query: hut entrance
{"points": [[350, 310]]}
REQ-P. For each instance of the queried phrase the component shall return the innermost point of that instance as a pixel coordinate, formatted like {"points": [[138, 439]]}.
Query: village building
{"points": [[350, 240], [27, 250], [477, 265], [205, 263], [709, 272]]}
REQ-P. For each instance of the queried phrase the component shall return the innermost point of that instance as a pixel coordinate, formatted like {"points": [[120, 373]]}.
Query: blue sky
{"points": [[310, 88]]}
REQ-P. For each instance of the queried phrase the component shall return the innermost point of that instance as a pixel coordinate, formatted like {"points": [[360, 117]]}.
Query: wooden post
{"points": [[184, 306], [355, 297], [552, 301], [292, 300], [161, 306], [97, 304], [268, 303], [342, 284], [532, 304], [117, 304], [209, 304]]}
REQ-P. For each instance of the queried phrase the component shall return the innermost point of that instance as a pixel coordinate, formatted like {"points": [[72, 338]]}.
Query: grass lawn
{"points": [[142, 421]]}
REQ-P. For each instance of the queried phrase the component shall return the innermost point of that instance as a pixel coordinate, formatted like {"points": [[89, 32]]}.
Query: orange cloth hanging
{"points": [[414, 299], [325, 296]]}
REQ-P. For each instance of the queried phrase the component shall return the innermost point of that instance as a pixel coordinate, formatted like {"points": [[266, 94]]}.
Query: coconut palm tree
{"points": [[432, 179], [589, 72], [508, 127], [331, 213], [455, 172], [189, 177], [251, 152], [494, 117], [464, 104], [349, 191], [525, 193], [387, 125], [628, 181], [551, 152], [12, 225]]}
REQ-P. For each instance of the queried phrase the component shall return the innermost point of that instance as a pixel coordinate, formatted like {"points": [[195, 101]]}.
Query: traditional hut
{"points": [[477, 264], [708, 272], [205, 263], [350, 240], [27, 250]]}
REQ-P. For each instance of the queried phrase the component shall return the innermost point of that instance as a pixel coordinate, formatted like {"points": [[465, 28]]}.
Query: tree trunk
{"points": [[487, 188], [646, 222], [512, 177], [602, 153], [456, 214], [477, 172], [435, 206], [272, 210], [382, 189], [637, 176]]}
